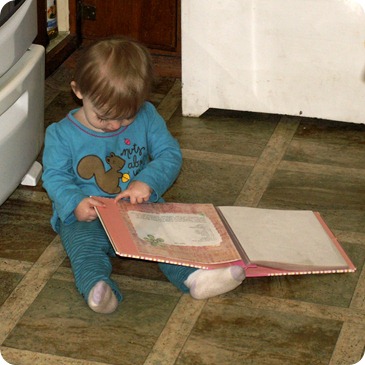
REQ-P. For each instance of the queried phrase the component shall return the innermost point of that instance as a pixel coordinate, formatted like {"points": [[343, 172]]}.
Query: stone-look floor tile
{"points": [[50, 94], [8, 282], [61, 79], [217, 182], [329, 143], [316, 319], [162, 85], [235, 134], [346, 220], [60, 323], [131, 267], [226, 334], [137, 268], [60, 106], [24, 229], [317, 191], [335, 290], [330, 289]]}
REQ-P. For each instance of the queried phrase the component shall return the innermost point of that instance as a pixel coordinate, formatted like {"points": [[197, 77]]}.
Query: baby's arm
{"points": [[164, 153], [59, 177]]}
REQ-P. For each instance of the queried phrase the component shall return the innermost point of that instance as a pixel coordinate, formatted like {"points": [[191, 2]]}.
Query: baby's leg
{"points": [[177, 275], [203, 284], [88, 248]]}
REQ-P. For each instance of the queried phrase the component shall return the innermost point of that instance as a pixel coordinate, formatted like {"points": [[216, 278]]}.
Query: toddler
{"points": [[115, 145]]}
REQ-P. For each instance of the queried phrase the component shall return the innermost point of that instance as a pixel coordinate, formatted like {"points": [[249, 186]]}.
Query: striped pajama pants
{"points": [[89, 251]]}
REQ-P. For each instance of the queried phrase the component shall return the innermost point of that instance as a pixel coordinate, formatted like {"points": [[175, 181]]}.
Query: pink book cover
{"points": [[127, 242], [193, 235]]}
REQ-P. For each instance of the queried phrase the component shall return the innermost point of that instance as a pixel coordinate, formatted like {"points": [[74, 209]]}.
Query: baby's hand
{"points": [[85, 211], [137, 192]]}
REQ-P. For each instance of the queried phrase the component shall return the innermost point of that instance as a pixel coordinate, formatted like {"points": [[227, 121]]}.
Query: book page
{"points": [[175, 229], [189, 233], [283, 239]]}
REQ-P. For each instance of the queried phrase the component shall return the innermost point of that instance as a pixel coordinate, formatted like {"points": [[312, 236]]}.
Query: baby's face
{"points": [[94, 120]]}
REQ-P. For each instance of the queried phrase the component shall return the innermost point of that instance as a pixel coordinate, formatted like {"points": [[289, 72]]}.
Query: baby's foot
{"points": [[102, 299], [205, 284]]}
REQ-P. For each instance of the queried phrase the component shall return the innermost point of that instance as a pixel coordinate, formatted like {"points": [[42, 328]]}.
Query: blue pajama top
{"points": [[79, 162]]}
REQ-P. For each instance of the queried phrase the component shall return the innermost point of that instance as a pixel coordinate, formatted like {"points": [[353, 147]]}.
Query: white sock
{"points": [[102, 299], [205, 284]]}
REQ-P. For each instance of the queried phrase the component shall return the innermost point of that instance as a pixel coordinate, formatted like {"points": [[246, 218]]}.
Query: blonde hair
{"points": [[116, 76]]}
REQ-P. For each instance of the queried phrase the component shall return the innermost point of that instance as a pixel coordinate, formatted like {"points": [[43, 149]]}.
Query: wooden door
{"points": [[156, 23]]}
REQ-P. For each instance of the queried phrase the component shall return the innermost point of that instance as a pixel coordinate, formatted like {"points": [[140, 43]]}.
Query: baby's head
{"points": [[115, 75]]}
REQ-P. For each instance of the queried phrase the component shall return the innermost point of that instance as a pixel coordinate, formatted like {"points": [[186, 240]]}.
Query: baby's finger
{"points": [[124, 194]]}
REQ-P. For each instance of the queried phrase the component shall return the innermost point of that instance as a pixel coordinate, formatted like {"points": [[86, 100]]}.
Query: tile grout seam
{"points": [[268, 162], [27, 290]]}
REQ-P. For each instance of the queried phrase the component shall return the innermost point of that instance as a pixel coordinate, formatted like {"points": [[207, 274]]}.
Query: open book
{"points": [[266, 242]]}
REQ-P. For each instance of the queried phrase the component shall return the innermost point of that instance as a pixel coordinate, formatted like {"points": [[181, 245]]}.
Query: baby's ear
{"points": [[75, 89]]}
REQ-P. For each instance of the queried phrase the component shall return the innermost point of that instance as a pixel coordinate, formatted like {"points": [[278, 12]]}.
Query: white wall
{"points": [[294, 57]]}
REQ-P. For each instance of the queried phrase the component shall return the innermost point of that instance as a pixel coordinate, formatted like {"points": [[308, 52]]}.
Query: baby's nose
{"points": [[113, 125]]}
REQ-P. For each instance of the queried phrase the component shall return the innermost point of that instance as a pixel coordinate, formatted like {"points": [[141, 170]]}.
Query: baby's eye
{"points": [[102, 119]]}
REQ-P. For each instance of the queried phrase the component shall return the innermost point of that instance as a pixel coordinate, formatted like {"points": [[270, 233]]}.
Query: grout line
{"points": [[175, 333], [350, 345], [15, 266], [24, 357], [352, 336], [171, 102], [358, 298], [29, 287], [266, 165]]}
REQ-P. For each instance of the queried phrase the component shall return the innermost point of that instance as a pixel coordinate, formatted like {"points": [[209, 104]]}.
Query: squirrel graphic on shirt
{"points": [[107, 180]]}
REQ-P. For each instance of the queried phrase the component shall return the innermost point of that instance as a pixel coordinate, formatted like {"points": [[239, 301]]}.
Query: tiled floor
{"points": [[230, 158]]}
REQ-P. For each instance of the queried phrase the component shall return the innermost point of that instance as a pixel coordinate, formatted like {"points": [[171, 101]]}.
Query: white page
{"points": [[282, 236]]}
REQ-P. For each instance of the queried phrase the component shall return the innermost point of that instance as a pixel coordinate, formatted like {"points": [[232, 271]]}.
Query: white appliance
{"points": [[294, 57], [21, 96]]}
